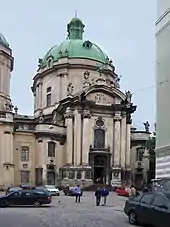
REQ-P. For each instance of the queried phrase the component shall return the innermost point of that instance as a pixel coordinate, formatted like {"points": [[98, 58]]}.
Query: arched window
{"points": [[51, 149], [99, 138]]}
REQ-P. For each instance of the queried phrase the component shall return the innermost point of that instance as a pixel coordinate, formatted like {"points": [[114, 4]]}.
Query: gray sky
{"points": [[123, 29]]}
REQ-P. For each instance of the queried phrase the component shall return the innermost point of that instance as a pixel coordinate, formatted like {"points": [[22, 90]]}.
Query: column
{"points": [[86, 138], [117, 141], [65, 85], [123, 141], [128, 126], [77, 137], [40, 94], [37, 96], [69, 143], [58, 88]]}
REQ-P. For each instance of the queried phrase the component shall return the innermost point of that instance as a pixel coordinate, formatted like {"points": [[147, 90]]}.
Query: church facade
{"points": [[81, 128]]}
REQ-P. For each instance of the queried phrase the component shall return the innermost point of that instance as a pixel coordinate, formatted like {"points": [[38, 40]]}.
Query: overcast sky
{"points": [[123, 29]]}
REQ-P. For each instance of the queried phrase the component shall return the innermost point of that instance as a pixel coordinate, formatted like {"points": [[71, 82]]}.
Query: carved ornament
{"points": [[70, 89]]}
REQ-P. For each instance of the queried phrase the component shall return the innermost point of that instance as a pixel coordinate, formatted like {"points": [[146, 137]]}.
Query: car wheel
{"points": [[132, 218], [37, 204]]}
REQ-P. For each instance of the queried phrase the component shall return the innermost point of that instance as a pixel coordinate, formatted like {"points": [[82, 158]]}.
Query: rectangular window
{"points": [[25, 154], [48, 89], [51, 149], [48, 96], [25, 175], [139, 153], [49, 99]]}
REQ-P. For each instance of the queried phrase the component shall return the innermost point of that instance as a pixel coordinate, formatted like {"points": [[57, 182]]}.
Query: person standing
{"points": [[98, 194], [78, 193], [105, 193]]}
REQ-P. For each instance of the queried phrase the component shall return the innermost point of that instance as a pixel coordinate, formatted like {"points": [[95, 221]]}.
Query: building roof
{"points": [[3, 41], [75, 47]]}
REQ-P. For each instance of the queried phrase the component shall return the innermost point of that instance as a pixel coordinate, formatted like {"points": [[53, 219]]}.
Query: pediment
{"points": [[101, 98]]}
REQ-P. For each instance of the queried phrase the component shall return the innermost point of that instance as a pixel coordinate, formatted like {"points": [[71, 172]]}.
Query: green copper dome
{"points": [[74, 46], [3, 41]]}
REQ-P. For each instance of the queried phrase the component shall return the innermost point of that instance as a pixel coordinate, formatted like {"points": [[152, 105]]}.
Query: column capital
{"points": [[123, 114], [117, 117], [86, 113], [69, 113]]}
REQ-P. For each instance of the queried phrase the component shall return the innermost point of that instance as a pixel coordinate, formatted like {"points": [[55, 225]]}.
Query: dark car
{"points": [[26, 197], [151, 208], [69, 191], [21, 187]]}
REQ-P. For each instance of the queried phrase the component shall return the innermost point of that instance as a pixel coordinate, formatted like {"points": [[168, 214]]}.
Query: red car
{"points": [[124, 191]]}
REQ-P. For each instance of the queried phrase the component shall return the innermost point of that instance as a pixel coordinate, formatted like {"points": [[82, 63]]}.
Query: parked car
{"points": [[52, 190], [116, 185], [123, 191], [26, 197], [69, 191], [152, 209]]}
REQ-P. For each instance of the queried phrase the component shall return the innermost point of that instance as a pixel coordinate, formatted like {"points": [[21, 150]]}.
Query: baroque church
{"points": [[81, 128]]}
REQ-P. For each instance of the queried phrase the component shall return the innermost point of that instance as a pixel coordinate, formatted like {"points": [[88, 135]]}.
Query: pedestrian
{"points": [[105, 193], [132, 191], [98, 195], [78, 193]]}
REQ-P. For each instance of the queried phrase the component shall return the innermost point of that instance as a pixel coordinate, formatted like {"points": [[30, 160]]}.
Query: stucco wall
{"points": [[163, 76]]}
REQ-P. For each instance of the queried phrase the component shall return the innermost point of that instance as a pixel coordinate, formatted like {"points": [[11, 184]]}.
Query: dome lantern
{"points": [[75, 29]]}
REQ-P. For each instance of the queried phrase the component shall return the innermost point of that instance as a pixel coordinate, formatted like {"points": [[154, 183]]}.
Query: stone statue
{"points": [[100, 69], [9, 106], [86, 75], [70, 89], [128, 96], [117, 82], [147, 125], [16, 110], [86, 82], [41, 117]]}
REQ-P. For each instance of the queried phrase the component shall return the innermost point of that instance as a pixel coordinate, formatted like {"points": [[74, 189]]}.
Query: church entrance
{"points": [[51, 176], [100, 168]]}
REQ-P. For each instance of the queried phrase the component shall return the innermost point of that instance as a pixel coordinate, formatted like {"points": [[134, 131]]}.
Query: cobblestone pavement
{"points": [[68, 213]]}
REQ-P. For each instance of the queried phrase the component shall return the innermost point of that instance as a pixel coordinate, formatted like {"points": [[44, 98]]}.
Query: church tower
{"points": [[6, 116]]}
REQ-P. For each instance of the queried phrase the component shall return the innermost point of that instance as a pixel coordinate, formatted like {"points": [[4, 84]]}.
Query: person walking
{"points": [[105, 193], [78, 193], [98, 194], [133, 191]]}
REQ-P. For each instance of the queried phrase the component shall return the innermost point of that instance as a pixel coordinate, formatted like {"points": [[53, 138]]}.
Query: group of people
{"points": [[101, 195]]}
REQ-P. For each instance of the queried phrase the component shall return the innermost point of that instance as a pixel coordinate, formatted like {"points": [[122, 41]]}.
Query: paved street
{"points": [[68, 214]]}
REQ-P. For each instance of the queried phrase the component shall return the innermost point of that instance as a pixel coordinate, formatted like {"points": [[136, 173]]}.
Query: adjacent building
{"points": [[163, 90], [81, 128]]}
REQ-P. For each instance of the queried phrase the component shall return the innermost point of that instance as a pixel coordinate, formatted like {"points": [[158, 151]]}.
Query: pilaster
{"points": [[69, 142], [128, 126], [86, 139], [123, 140], [77, 137], [117, 119]]}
